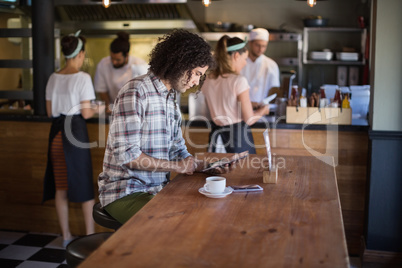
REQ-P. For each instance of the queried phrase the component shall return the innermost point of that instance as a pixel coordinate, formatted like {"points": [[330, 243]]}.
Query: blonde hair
{"points": [[223, 57]]}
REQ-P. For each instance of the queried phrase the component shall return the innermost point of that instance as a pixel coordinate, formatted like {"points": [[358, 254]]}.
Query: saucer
{"points": [[227, 191]]}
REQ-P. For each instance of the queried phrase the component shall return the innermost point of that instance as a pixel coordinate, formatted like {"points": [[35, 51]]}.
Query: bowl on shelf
{"points": [[315, 22], [220, 26], [243, 27]]}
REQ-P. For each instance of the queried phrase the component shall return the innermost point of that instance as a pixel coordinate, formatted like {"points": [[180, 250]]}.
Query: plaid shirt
{"points": [[146, 120]]}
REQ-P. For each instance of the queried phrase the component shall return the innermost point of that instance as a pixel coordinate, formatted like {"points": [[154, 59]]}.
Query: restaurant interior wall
{"points": [[384, 191], [16, 56], [387, 80], [9, 77]]}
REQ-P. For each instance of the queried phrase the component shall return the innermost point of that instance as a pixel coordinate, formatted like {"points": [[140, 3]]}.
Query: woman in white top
{"points": [[69, 168], [227, 96]]}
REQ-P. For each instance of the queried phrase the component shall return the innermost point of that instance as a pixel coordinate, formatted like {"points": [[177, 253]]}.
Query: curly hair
{"points": [[178, 53]]}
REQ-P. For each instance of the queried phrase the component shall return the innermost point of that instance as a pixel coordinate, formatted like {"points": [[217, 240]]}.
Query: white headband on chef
{"points": [[79, 46], [259, 34]]}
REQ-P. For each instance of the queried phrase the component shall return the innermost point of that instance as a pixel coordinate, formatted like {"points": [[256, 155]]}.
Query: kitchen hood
{"points": [[132, 16]]}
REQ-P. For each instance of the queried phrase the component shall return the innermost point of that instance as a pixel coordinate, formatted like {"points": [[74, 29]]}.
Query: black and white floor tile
{"points": [[42, 250], [31, 250]]}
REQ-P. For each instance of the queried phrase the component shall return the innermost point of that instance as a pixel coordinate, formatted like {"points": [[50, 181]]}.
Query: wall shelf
{"points": [[333, 39], [25, 93], [354, 36], [15, 63], [334, 62]]}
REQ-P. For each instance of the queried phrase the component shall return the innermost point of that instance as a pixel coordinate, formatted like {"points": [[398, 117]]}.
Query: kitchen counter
{"points": [[266, 122], [358, 125]]}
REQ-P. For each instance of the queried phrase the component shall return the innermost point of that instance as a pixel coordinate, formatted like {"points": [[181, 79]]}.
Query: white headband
{"points": [[79, 46], [237, 46]]}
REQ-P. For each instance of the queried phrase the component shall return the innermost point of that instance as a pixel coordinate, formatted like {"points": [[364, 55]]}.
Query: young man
{"points": [[261, 71], [114, 71], [145, 142]]}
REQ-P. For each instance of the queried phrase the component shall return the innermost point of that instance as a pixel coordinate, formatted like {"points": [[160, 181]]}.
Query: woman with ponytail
{"points": [[69, 168], [227, 96]]}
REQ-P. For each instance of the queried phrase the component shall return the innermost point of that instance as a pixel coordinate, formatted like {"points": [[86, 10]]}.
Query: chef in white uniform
{"points": [[113, 71], [261, 71]]}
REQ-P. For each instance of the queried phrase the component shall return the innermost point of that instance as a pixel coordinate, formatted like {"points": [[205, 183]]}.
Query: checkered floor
{"points": [[31, 250], [40, 250]]}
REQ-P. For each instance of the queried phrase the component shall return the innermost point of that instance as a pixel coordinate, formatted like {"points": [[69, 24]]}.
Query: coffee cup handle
{"points": [[206, 187]]}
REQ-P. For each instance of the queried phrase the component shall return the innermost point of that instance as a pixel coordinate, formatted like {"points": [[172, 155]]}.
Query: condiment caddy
{"points": [[320, 110]]}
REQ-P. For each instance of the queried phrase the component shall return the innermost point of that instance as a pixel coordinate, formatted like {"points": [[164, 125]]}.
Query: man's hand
{"points": [[187, 165], [256, 105], [221, 169], [264, 109]]}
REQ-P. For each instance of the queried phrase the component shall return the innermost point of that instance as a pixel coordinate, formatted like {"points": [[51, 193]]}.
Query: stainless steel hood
{"points": [[133, 16]]}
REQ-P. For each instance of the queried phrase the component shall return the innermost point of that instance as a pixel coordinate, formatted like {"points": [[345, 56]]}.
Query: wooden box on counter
{"points": [[321, 116]]}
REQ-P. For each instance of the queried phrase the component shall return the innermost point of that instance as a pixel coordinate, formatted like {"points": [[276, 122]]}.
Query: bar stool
{"points": [[103, 218], [79, 249]]}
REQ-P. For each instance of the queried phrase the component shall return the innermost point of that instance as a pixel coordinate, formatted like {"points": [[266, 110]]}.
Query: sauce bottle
{"points": [[337, 98], [345, 102]]}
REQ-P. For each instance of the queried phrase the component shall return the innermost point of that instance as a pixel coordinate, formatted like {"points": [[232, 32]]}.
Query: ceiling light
{"points": [[206, 2], [311, 3], [106, 3]]}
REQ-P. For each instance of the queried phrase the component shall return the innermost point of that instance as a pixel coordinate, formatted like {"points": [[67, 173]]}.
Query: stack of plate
{"points": [[347, 56], [321, 55]]}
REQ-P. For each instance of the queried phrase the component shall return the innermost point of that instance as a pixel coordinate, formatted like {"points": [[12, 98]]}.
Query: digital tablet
{"points": [[223, 162], [268, 99]]}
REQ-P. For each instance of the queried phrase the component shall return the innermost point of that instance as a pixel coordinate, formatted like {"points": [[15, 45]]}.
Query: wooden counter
{"points": [[296, 222], [23, 149], [350, 151]]}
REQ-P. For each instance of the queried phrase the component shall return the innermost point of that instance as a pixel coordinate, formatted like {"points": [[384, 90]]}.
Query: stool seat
{"points": [[79, 249], [103, 218]]}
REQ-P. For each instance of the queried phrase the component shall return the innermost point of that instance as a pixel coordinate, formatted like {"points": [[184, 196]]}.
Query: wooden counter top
{"points": [[360, 125], [296, 222]]}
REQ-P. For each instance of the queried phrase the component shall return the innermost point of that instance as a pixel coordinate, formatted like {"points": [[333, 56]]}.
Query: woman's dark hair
{"points": [[178, 53], [222, 56], [70, 42], [121, 44]]}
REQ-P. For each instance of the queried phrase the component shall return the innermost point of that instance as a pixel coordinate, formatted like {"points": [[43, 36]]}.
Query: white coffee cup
{"points": [[334, 105], [215, 185], [323, 102], [303, 102]]}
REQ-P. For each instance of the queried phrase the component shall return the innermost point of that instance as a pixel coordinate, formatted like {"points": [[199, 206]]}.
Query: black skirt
{"points": [[236, 138], [78, 159]]}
